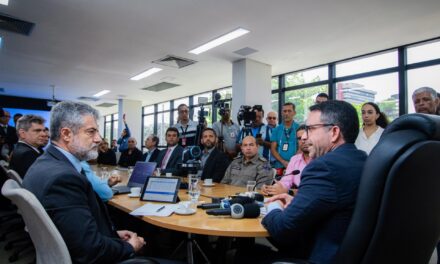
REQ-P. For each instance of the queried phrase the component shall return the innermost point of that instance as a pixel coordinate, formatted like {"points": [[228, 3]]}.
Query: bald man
{"points": [[130, 156], [248, 167]]}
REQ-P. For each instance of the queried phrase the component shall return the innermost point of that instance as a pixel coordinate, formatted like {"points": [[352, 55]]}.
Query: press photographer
{"points": [[226, 130], [252, 118]]}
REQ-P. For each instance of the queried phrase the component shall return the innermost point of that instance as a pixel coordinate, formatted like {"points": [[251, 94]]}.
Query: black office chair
{"points": [[397, 213]]}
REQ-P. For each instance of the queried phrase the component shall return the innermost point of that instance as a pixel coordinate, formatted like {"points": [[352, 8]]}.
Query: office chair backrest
{"points": [[13, 175], [397, 213], [49, 245]]}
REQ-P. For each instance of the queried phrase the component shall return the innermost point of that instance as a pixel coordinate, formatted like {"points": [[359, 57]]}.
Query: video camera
{"points": [[247, 114], [221, 105]]}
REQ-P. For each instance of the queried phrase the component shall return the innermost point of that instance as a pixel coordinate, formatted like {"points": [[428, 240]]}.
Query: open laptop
{"points": [[141, 171]]}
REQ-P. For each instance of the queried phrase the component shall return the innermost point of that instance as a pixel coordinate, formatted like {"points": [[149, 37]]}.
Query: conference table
{"points": [[198, 223]]}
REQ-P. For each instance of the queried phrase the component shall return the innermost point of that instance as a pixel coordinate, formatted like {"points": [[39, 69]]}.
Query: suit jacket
{"points": [[175, 158], [215, 166], [10, 137], [76, 210], [22, 158], [130, 159], [314, 223], [153, 157]]}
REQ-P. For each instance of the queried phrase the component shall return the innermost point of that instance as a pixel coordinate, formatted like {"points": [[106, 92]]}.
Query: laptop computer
{"points": [[141, 171]]}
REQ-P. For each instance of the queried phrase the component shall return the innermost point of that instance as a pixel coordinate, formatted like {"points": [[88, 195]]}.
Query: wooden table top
{"points": [[200, 222]]}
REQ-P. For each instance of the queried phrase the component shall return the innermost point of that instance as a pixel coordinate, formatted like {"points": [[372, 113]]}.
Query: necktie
{"points": [[165, 159]]}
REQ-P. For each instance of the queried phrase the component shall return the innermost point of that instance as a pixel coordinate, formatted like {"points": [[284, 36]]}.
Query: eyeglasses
{"points": [[311, 127], [270, 118]]}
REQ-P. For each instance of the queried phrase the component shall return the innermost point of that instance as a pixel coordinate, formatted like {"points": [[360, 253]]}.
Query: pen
{"points": [[160, 209]]}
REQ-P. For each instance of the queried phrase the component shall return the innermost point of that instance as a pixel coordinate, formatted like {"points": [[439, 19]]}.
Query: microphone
{"points": [[295, 172], [226, 203], [238, 211]]}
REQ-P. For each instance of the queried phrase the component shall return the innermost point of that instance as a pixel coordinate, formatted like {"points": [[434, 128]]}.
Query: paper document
{"points": [[150, 209]]}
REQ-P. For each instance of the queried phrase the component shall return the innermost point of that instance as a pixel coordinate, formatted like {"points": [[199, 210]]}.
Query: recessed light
{"points": [[4, 2], [101, 93], [145, 74], [220, 40]]}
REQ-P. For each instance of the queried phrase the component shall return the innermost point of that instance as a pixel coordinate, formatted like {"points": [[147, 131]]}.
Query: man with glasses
{"points": [[312, 225], [283, 142], [31, 138], [297, 163], [187, 128]]}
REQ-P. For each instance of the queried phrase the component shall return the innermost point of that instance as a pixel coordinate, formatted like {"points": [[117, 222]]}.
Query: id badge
{"points": [[183, 141], [285, 146], [232, 134]]}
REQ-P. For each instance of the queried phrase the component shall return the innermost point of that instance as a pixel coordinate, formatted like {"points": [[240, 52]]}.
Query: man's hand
{"points": [[285, 163], [284, 199], [113, 179], [132, 238], [123, 118], [275, 189]]}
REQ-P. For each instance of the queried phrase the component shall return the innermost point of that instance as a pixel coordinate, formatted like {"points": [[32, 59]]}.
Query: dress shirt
{"points": [[100, 186], [75, 162], [167, 156], [205, 157], [297, 162], [368, 143], [150, 152]]}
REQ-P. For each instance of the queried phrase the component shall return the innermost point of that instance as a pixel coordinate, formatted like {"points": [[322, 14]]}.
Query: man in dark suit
{"points": [[130, 156], [58, 182], [152, 153], [8, 132], [214, 161], [32, 138], [169, 158], [313, 224]]}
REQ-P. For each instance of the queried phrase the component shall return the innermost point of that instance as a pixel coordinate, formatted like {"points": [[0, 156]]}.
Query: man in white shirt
{"points": [[187, 128]]}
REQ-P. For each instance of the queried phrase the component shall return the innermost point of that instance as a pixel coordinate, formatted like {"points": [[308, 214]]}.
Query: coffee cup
{"points": [[135, 191], [168, 174], [208, 182]]}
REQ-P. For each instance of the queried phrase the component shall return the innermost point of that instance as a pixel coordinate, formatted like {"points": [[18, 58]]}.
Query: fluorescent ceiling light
{"points": [[101, 93], [145, 74], [220, 40], [4, 2]]}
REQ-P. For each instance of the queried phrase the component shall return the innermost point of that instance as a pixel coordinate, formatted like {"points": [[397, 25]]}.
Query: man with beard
{"points": [[214, 161], [297, 163], [59, 183], [312, 225]]}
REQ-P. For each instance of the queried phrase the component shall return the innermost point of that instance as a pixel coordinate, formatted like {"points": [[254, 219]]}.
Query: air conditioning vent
{"points": [[174, 61], [106, 105], [245, 51], [160, 86], [86, 98], [15, 25]]}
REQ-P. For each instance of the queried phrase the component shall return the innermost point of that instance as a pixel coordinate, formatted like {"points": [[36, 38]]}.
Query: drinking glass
{"points": [[193, 188], [250, 186], [105, 174]]}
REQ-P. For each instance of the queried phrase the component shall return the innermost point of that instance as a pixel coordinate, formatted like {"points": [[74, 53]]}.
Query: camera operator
{"points": [[227, 133], [187, 128], [260, 132]]}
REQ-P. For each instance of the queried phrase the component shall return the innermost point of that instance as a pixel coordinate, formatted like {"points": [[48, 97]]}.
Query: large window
{"points": [[163, 123], [366, 64], [307, 76], [111, 127], [423, 52], [427, 76], [303, 99]]}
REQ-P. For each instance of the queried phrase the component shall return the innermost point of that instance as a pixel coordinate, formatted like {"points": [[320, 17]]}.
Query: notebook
{"points": [[142, 170]]}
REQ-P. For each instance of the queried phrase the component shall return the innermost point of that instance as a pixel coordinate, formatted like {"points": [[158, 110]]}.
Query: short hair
{"points": [[181, 105], [209, 129], [301, 127], [17, 115], [322, 95], [172, 129], [155, 139], [25, 122], [289, 103], [425, 89], [69, 114], [341, 114]]}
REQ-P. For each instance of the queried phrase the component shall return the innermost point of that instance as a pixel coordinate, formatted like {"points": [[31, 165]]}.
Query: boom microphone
{"points": [[295, 172], [237, 211]]}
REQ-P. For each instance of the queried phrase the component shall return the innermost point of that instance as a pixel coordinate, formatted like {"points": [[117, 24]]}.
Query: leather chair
{"points": [[397, 213], [49, 245]]}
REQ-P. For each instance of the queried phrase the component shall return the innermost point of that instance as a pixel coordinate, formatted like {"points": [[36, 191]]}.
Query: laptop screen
{"points": [[141, 171]]}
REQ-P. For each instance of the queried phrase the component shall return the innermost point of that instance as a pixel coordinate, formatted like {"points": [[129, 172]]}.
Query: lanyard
{"points": [[184, 131], [287, 133]]}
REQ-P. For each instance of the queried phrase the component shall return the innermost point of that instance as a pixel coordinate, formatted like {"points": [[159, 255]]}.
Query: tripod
{"points": [[190, 242]]}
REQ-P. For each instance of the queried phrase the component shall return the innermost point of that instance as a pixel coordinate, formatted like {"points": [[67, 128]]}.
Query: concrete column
{"points": [[133, 115], [251, 85]]}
